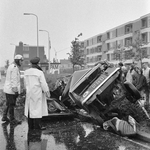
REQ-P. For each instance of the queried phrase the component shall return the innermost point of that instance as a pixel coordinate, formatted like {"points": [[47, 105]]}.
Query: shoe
{"points": [[5, 119], [14, 121]]}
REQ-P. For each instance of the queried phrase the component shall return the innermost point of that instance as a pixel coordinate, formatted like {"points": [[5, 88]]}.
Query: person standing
{"points": [[123, 71], [12, 89], [36, 92], [146, 73], [129, 75], [141, 83]]}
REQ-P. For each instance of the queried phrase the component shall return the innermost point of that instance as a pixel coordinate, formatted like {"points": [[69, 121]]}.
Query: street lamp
{"points": [[37, 31], [15, 46], [49, 47]]}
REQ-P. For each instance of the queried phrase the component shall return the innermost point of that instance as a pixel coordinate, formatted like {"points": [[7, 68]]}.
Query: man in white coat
{"points": [[12, 88], [36, 92]]}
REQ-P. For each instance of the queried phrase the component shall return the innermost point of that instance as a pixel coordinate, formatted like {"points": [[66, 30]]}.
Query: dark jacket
{"points": [[141, 82]]}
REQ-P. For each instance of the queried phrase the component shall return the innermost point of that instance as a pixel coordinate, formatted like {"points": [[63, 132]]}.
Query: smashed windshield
{"points": [[88, 81]]}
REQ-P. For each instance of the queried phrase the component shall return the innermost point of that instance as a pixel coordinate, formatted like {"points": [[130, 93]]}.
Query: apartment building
{"points": [[121, 40], [29, 52]]}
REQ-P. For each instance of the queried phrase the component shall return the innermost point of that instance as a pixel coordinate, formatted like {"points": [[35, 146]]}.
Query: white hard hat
{"points": [[18, 57]]}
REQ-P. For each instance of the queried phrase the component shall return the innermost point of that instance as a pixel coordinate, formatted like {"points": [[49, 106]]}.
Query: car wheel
{"points": [[132, 93]]}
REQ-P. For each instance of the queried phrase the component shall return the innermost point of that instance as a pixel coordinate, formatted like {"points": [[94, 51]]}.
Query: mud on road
{"points": [[63, 134]]}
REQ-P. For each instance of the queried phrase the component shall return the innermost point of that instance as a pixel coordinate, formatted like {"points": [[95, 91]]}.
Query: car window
{"points": [[89, 80]]}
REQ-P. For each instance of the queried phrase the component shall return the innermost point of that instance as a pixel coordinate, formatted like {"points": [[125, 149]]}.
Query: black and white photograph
{"points": [[74, 74]]}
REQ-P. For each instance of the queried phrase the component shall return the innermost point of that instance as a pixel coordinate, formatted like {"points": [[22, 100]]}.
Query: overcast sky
{"points": [[63, 19]]}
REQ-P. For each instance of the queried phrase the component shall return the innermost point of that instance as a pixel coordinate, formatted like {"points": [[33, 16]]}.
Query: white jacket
{"points": [[12, 79], [36, 86]]}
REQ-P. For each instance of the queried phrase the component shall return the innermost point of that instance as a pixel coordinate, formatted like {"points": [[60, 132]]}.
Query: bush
{"points": [[51, 80]]}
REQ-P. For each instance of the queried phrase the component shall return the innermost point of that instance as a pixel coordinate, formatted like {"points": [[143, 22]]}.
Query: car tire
{"points": [[132, 93]]}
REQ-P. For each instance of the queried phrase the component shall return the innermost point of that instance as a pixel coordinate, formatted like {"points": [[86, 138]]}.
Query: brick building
{"points": [[29, 52]]}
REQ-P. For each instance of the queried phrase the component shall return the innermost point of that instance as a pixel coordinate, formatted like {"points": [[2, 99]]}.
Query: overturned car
{"points": [[101, 94], [97, 91]]}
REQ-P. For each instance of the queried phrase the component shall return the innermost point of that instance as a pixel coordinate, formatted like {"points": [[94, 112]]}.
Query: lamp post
{"points": [[37, 31], [15, 46], [49, 47]]}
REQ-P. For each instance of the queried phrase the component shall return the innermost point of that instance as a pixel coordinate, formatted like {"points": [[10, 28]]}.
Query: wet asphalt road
{"points": [[61, 134]]}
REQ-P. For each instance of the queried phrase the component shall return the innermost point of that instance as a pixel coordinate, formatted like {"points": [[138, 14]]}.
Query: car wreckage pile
{"points": [[101, 93]]}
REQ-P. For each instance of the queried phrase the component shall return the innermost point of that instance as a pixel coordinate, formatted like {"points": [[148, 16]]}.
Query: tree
{"points": [[75, 56], [7, 64], [119, 53], [137, 45]]}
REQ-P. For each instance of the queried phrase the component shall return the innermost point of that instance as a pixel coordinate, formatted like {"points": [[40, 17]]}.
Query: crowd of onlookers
{"points": [[139, 77]]}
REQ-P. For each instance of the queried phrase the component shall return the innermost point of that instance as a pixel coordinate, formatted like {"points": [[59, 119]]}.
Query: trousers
{"points": [[10, 104], [34, 123]]}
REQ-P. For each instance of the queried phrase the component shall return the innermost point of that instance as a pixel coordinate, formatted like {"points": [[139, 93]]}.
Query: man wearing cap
{"points": [[36, 92], [12, 88]]}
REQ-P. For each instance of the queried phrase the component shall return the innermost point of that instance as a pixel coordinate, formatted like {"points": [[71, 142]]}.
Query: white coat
{"points": [[36, 86], [12, 79]]}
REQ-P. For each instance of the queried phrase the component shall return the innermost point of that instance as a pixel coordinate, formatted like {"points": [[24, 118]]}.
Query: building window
{"points": [[87, 51], [26, 48], [92, 50], [99, 39], [108, 57], [99, 48], [87, 59], [99, 57], [128, 41], [87, 42], [119, 43], [116, 32], [144, 37], [95, 49], [128, 28], [144, 22], [108, 35], [26, 55], [108, 46], [112, 56]]}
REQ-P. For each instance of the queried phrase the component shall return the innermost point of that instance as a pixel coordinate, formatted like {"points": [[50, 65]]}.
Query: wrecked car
{"points": [[96, 90]]}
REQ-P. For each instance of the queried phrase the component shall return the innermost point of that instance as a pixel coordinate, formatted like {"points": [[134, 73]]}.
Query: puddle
{"points": [[60, 135]]}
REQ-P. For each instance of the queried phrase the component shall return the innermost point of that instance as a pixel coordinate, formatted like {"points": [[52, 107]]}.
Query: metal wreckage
{"points": [[101, 94]]}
